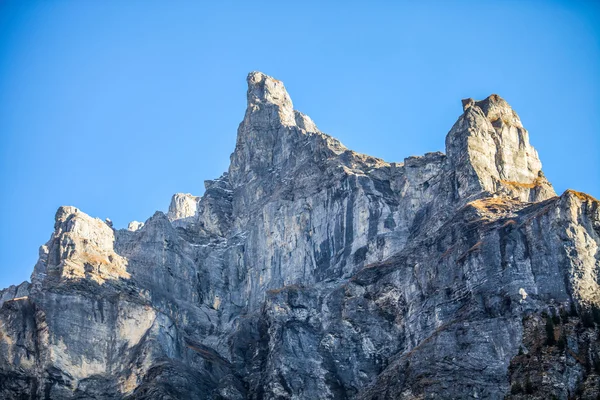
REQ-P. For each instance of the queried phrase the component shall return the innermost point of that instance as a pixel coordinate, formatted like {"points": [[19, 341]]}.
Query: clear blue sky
{"points": [[113, 106]]}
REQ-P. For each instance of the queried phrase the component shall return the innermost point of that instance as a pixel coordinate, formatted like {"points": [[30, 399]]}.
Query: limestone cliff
{"points": [[309, 271]]}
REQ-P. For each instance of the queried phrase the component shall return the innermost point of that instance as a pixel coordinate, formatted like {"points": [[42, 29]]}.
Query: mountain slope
{"points": [[311, 271]]}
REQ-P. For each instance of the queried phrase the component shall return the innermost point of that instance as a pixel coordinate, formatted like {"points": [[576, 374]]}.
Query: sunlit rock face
{"points": [[489, 144], [183, 209], [309, 271]]}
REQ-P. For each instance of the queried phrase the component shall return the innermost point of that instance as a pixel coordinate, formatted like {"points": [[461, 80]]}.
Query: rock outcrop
{"points": [[311, 271]]}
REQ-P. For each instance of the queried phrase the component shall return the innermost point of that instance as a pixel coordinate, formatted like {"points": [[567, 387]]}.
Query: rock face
{"points": [[310, 271]]}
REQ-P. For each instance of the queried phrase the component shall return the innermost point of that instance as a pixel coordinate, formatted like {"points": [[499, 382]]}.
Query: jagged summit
{"points": [[311, 271], [269, 105], [273, 134], [265, 89], [494, 108], [489, 142]]}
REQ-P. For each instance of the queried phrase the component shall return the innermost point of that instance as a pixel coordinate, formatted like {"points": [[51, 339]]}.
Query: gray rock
{"points": [[311, 271], [183, 209], [134, 226]]}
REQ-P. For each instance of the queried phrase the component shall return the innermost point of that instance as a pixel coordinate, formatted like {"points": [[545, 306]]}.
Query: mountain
{"points": [[310, 271]]}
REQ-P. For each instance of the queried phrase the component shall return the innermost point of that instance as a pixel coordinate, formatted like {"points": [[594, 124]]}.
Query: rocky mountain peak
{"points": [[263, 89], [272, 133], [496, 109], [269, 104], [312, 271], [489, 143]]}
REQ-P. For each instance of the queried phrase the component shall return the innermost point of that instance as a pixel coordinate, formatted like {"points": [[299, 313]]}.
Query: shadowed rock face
{"points": [[310, 271]]}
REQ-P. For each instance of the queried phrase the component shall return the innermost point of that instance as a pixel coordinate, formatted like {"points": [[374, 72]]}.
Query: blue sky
{"points": [[114, 106]]}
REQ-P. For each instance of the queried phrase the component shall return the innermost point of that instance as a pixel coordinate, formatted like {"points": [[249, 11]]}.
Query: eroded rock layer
{"points": [[309, 271]]}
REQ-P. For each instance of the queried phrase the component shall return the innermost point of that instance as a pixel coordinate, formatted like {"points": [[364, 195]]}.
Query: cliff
{"points": [[311, 271]]}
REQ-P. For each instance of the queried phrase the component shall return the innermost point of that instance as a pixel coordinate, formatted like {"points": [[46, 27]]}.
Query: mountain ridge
{"points": [[308, 270]]}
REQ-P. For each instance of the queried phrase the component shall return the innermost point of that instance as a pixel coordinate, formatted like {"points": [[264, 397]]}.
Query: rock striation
{"points": [[311, 271]]}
